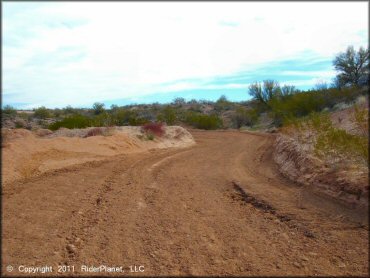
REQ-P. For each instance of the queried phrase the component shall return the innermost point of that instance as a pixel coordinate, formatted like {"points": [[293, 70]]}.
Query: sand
{"points": [[27, 154]]}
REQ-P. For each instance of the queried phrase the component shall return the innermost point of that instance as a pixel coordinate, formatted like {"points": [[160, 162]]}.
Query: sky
{"points": [[56, 54]]}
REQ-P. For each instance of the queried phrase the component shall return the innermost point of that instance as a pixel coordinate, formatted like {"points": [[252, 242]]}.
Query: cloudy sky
{"points": [[59, 54]]}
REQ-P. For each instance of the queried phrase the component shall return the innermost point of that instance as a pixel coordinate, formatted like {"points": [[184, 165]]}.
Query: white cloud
{"points": [[77, 53], [309, 73]]}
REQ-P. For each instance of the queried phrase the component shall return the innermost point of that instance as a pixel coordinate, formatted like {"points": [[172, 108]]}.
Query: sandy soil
{"points": [[27, 154], [219, 207]]}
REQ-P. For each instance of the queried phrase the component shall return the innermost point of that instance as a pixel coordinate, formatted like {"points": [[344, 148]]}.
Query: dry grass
{"points": [[96, 131]]}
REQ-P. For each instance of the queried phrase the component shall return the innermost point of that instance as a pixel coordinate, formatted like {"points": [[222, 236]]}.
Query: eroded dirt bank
{"points": [[219, 207], [349, 185]]}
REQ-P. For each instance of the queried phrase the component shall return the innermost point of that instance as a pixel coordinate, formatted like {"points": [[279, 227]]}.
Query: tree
{"points": [[179, 101], [288, 90], [98, 108], [264, 93], [321, 85], [68, 110], [353, 67], [114, 107], [222, 104]]}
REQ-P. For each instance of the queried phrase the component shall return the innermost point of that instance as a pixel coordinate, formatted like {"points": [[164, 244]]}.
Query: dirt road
{"points": [[217, 208]]}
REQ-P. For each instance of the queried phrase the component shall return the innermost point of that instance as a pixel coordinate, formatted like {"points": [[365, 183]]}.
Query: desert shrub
{"points": [[98, 108], [339, 144], [136, 120], [9, 110], [244, 117], [73, 121], [179, 101], [360, 118], [121, 116], [42, 113], [69, 110], [295, 105], [24, 116], [223, 104], [94, 132], [57, 112], [20, 123], [167, 115], [43, 132], [329, 141], [149, 136], [114, 107], [154, 129], [103, 119], [286, 103], [203, 121]]}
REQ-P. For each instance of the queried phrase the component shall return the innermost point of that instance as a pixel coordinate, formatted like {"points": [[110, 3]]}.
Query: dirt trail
{"points": [[217, 208]]}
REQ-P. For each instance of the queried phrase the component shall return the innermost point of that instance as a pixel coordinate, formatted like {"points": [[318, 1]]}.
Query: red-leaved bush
{"points": [[155, 128]]}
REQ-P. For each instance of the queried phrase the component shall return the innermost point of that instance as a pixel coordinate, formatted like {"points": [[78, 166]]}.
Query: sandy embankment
{"points": [[344, 182], [26, 154]]}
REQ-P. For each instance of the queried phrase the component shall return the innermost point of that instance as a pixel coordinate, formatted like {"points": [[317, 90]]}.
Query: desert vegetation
{"points": [[272, 105]]}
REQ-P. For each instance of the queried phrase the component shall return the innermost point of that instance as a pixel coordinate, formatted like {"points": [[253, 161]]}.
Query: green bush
{"points": [[295, 105], [42, 113], [121, 116], [69, 110], [136, 121], [150, 136], [9, 110], [244, 117], [289, 103], [167, 115], [20, 124], [330, 141], [223, 104], [103, 119], [24, 116], [74, 121], [98, 108], [203, 121], [360, 118], [338, 143]]}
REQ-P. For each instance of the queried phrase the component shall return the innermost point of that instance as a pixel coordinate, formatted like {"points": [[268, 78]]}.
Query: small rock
{"points": [[341, 265], [296, 264], [305, 259], [71, 248], [285, 235], [78, 241], [313, 254]]}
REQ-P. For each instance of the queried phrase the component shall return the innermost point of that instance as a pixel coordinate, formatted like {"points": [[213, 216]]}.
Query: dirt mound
{"points": [[27, 153]]}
